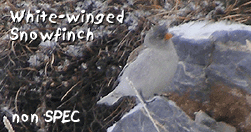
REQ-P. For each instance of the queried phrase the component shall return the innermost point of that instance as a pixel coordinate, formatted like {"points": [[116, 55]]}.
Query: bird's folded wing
{"points": [[132, 57], [134, 54]]}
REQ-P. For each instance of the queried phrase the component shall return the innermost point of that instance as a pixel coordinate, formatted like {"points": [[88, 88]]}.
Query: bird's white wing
{"points": [[117, 93]]}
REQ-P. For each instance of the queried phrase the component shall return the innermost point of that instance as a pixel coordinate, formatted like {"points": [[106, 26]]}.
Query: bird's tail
{"points": [[110, 99]]}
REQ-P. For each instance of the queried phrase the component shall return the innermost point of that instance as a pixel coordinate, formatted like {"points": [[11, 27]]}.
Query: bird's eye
{"points": [[159, 36]]}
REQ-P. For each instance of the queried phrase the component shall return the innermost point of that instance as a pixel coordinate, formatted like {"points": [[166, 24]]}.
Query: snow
{"points": [[203, 29]]}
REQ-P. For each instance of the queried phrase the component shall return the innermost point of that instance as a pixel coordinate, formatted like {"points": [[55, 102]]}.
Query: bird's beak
{"points": [[168, 36]]}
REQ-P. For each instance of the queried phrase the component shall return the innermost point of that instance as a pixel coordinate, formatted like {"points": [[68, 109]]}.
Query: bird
{"points": [[150, 67]]}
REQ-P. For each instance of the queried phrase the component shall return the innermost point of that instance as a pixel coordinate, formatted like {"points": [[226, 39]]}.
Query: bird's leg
{"points": [[143, 98], [141, 94]]}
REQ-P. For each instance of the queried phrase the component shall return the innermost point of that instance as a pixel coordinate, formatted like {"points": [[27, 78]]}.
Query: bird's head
{"points": [[158, 37]]}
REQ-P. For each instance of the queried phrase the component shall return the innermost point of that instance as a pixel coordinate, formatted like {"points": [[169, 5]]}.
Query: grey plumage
{"points": [[152, 70]]}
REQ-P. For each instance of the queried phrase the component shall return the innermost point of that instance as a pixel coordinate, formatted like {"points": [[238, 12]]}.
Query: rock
{"points": [[202, 118], [166, 114], [211, 53]]}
